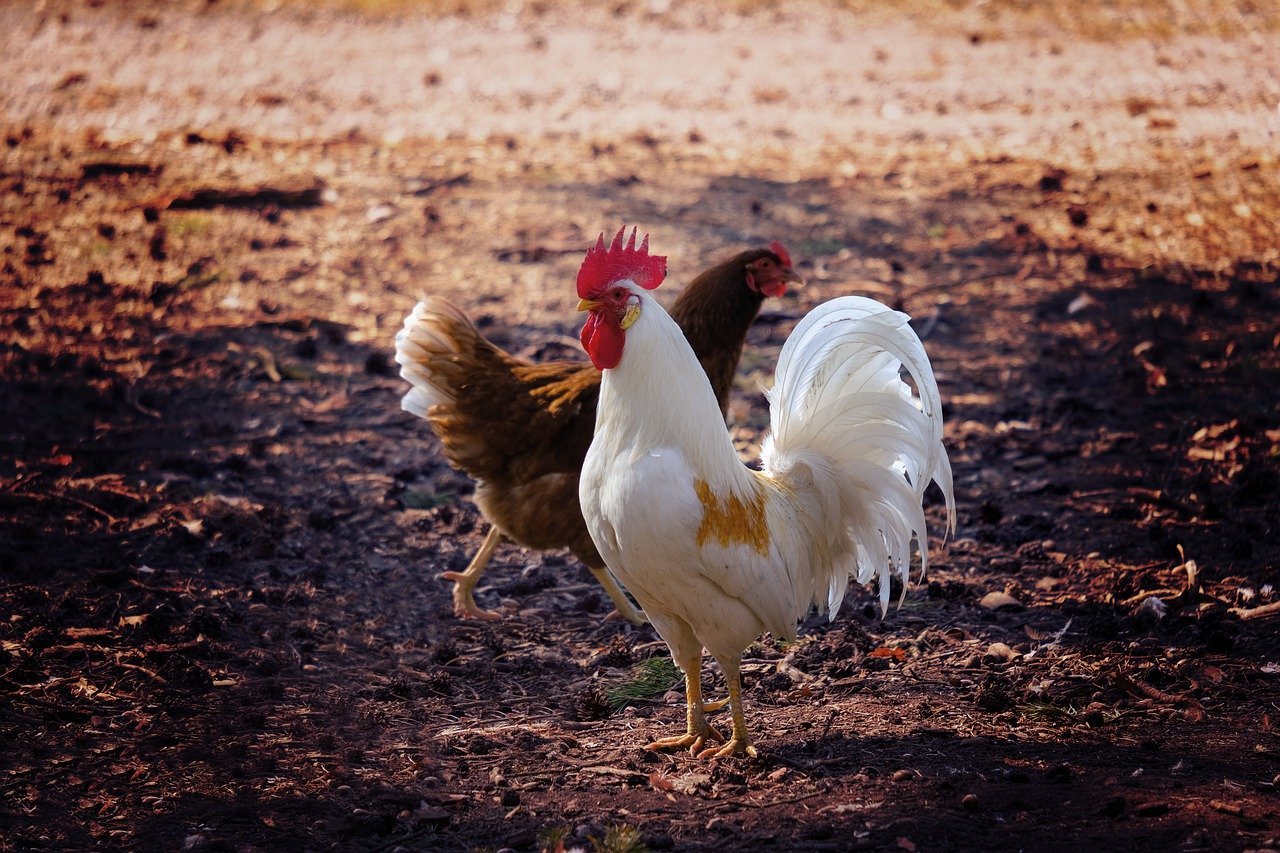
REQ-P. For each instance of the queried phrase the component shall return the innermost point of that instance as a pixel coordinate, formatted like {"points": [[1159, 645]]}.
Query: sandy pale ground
{"points": [[796, 78]]}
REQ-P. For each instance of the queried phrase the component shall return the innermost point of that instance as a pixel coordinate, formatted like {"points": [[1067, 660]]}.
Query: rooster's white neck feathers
{"points": [[658, 396]]}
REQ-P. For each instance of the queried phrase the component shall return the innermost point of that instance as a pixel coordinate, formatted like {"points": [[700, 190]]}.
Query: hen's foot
{"points": [[693, 740], [625, 609], [631, 614], [464, 602], [709, 707], [735, 746]]}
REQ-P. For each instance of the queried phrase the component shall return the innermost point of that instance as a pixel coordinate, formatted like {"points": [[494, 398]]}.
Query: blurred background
{"points": [[220, 622]]}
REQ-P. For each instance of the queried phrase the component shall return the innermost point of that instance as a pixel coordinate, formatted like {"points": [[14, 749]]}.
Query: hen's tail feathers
{"points": [[427, 350], [870, 442]]}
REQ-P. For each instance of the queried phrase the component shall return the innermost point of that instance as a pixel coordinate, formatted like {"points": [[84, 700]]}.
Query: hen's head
{"points": [[605, 288], [767, 271]]}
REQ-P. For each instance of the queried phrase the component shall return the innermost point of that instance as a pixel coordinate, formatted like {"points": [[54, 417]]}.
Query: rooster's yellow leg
{"points": [[464, 583], [738, 743], [625, 608], [700, 731]]}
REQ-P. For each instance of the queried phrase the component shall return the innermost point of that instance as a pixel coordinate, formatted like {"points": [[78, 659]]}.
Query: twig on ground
{"points": [[1262, 612]]}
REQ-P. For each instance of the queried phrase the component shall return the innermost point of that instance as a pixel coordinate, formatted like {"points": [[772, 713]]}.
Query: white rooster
{"points": [[715, 552]]}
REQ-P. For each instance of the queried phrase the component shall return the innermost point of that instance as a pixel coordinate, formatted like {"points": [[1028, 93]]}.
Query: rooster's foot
{"points": [[711, 707], [693, 740], [736, 746], [464, 603]]}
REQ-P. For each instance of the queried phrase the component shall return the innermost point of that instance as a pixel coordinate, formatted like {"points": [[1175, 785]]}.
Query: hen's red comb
{"points": [[780, 250], [603, 266]]}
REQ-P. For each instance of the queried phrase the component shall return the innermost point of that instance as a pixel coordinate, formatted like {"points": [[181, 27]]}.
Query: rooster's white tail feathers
{"points": [[841, 411]]}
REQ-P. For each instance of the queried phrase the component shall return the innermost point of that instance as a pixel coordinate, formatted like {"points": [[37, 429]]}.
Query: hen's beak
{"points": [[587, 304], [788, 274]]}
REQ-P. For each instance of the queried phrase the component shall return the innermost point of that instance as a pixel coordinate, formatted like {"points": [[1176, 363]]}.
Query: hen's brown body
{"points": [[522, 430]]}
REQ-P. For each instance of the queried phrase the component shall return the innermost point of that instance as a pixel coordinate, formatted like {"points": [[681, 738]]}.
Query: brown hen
{"points": [[521, 430]]}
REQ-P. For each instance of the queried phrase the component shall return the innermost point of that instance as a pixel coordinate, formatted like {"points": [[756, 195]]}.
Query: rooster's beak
{"points": [[587, 304]]}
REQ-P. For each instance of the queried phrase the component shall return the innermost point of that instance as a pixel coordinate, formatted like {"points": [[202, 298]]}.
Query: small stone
{"points": [[1150, 611], [510, 799], [999, 601], [902, 775], [999, 653], [1058, 773], [970, 802]]}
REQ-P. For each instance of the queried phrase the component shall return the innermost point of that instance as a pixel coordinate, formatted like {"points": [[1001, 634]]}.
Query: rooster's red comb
{"points": [[781, 251], [605, 265]]}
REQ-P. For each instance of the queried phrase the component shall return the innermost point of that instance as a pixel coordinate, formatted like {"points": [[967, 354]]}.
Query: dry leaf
{"points": [[660, 782]]}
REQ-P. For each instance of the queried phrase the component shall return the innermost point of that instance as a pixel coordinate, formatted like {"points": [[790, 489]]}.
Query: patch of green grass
{"points": [[1063, 714], [1046, 713], [818, 246], [190, 224], [652, 677], [620, 838], [427, 499], [551, 839], [197, 279], [623, 838]]}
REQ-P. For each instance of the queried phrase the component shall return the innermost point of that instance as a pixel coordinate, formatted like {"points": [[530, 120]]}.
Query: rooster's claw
{"points": [[735, 746], [693, 740]]}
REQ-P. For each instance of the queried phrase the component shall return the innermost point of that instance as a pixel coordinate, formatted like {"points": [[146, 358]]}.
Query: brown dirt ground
{"points": [[220, 626]]}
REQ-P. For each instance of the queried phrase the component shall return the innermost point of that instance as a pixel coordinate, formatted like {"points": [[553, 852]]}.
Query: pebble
{"points": [[970, 802], [999, 601], [902, 775], [1058, 773], [1114, 807], [999, 653]]}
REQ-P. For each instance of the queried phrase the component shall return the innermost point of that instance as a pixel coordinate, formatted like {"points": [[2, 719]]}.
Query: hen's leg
{"points": [[625, 608], [687, 652], [464, 583], [739, 742]]}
